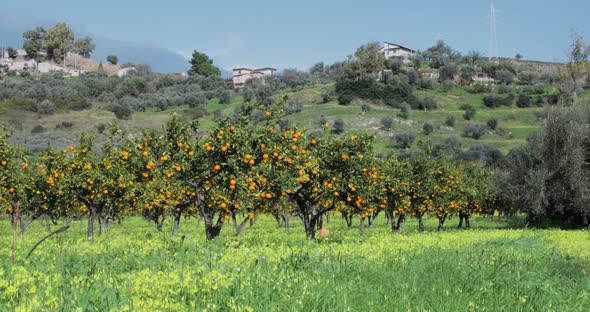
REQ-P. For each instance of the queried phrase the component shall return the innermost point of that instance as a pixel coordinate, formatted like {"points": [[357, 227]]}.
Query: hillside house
{"points": [[242, 74], [483, 77], [390, 50]]}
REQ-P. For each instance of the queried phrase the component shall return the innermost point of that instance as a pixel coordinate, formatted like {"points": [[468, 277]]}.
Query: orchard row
{"points": [[232, 175]]}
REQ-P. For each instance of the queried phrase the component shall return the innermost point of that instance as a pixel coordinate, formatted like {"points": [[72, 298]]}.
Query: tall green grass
{"points": [[495, 266]]}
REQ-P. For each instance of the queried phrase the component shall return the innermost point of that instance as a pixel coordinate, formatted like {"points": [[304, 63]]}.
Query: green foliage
{"points": [[469, 111], [34, 42], [113, 59], [46, 108], [475, 131], [492, 123], [427, 128], [387, 123], [11, 52], [122, 110], [202, 65], [450, 121], [58, 40], [550, 175], [84, 47], [405, 139], [338, 126]]}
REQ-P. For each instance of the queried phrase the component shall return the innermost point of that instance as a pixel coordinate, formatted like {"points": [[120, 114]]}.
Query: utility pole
{"points": [[493, 36]]}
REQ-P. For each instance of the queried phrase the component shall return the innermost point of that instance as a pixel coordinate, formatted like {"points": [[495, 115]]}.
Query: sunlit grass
{"points": [[494, 266]]}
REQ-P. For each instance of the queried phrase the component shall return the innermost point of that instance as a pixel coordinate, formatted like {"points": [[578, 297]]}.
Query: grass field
{"points": [[495, 266]]}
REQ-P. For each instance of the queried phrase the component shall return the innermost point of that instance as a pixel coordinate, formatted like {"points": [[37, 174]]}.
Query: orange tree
{"points": [[395, 188], [57, 202], [448, 193], [315, 174], [100, 186], [14, 179], [477, 191], [419, 187], [357, 193], [217, 169], [152, 164]]}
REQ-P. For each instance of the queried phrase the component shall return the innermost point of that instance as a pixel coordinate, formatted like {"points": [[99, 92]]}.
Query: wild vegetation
{"points": [[292, 155]]}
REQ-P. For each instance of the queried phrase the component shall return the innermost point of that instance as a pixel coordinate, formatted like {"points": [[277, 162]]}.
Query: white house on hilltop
{"points": [[240, 75], [390, 50]]}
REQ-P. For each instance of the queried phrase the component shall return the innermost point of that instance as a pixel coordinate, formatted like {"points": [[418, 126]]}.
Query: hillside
{"points": [[515, 124]]}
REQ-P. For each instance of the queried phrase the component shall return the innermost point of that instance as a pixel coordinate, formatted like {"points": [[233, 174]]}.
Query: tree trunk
{"points": [[328, 218], [388, 218], [441, 222], [15, 217], [348, 219], [91, 217], [362, 226], [400, 220], [278, 219], [47, 222], [102, 226], [309, 222], [176, 224], [286, 221], [463, 216], [420, 224], [240, 227], [310, 229], [320, 222], [212, 230]]}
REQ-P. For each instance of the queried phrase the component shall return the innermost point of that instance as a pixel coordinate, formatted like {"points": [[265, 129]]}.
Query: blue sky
{"points": [[287, 34]]}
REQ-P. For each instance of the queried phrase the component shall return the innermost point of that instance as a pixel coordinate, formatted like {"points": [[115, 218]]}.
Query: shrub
{"points": [[67, 124], [450, 121], [387, 123], [485, 152], [427, 83], [540, 88], [268, 101], [338, 126], [474, 131], [365, 108], [448, 72], [491, 100], [492, 123], [45, 108], [197, 99], [405, 139], [122, 110], [504, 89], [404, 111], [80, 105], [504, 76], [344, 99], [101, 127], [38, 129], [425, 103], [293, 105], [453, 143], [427, 128], [224, 97], [447, 85], [523, 101], [469, 111]]}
